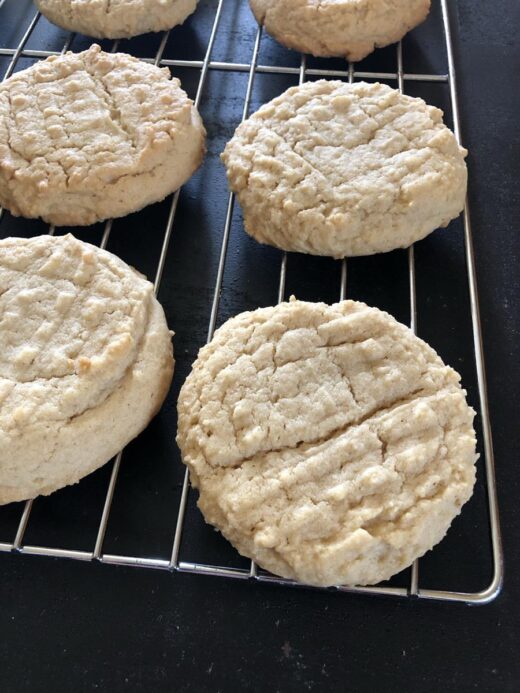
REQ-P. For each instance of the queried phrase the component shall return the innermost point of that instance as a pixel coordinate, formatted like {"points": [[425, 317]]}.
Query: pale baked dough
{"points": [[331, 168], [345, 28], [93, 135], [85, 361], [116, 18], [328, 443]]}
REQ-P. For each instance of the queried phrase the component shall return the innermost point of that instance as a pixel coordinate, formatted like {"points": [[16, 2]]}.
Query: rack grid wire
{"points": [[302, 72]]}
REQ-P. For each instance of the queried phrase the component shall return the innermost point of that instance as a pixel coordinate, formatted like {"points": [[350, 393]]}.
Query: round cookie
{"points": [[93, 135], [85, 361], [331, 168], [328, 443], [344, 28], [116, 18]]}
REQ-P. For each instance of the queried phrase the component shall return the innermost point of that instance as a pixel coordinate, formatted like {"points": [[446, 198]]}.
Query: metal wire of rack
{"points": [[253, 68]]}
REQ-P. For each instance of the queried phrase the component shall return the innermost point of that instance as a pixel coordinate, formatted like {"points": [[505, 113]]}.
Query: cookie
{"points": [[343, 28], [85, 361], [330, 168], [116, 18], [90, 136], [328, 443]]}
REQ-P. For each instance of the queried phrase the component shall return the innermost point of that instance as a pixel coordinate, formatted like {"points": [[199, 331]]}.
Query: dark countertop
{"points": [[81, 626]]}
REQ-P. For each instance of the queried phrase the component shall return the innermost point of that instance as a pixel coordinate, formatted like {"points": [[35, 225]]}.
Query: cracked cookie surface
{"points": [[116, 18], [90, 136], [328, 443], [338, 169], [85, 361], [343, 28]]}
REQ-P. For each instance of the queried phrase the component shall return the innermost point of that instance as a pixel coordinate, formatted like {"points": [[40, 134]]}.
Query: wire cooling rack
{"points": [[22, 52]]}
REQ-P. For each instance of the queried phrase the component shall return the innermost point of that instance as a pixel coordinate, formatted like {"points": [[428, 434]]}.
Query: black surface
{"points": [[74, 626]]}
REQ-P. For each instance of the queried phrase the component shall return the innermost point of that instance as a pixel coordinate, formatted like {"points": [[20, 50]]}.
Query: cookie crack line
{"points": [[113, 109], [415, 395], [9, 128], [378, 523]]}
